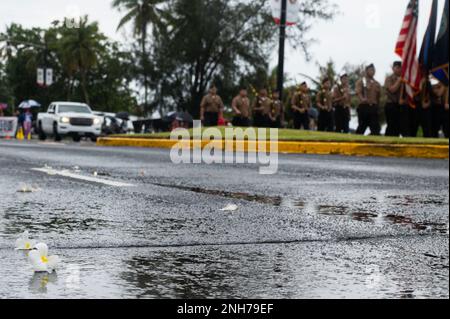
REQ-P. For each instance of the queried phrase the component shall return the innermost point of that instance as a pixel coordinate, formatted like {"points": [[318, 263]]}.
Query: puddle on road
{"points": [[293, 203], [330, 210], [37, 217], [370, 217], [422, 226], [340, 210], [364, 217], [26, 206], [408, 200], [16, 223], [275, 200]]}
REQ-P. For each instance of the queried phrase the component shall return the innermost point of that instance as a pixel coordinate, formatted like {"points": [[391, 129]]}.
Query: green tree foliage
{"points": [[142, 14], [180, 48], [328, 71], [222, 42], [5, 93], [80, 48], [87, 67]]}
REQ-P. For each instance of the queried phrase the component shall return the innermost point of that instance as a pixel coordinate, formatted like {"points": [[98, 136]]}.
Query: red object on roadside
{"points": [[221, 122]]}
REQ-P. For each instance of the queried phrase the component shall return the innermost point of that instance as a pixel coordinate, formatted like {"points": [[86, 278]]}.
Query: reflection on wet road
{"points": [[322, 227]]}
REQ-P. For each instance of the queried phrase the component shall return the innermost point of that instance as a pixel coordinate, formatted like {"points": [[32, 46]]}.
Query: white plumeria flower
{"points": [[26, 189], [24, 242], [230, 208], [40, 260]]}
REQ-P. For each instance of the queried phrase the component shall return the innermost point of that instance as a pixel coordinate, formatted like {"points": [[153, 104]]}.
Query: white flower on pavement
{"points": [[24, 242], [230, 208], [40, 260], [26, 189]]}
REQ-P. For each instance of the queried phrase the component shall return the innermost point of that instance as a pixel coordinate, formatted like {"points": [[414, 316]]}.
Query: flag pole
{"points": [[280, 78]]}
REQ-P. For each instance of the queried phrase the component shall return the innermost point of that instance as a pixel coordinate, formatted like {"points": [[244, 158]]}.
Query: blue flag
{"points": [[428, 45], [440, 55]]}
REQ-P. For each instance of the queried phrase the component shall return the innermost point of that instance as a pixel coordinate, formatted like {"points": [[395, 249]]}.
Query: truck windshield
{"points": [[74, 109]]}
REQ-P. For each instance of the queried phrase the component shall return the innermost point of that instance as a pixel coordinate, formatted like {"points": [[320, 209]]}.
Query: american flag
{"points": [[406, 48]]}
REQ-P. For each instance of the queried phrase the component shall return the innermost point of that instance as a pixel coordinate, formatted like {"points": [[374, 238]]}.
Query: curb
{"points": [[318, 148]]}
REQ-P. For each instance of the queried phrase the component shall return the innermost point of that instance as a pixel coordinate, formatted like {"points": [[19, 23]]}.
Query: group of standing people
{"points": [[431, 111], [334, 104], [266, 111]]}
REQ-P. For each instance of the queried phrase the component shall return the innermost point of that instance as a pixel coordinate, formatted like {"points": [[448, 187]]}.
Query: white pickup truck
{"points": [[69, 119]]}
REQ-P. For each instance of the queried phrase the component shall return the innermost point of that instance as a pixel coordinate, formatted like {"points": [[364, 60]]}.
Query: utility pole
{"points": [[45, 63], [280, 79]]}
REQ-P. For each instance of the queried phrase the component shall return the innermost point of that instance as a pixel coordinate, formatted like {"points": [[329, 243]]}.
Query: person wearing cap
{"points": [[261, 109], [368, 91], [325, 105], [342, 99], [211, 108], [241, 109], [393, 87], [301, 104], [276, 110]]}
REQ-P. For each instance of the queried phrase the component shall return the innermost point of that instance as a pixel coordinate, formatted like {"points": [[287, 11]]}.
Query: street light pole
{"points": [[280, 78]]}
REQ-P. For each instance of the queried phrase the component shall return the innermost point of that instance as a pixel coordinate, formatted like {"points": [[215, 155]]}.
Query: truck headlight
{"points": [[65, 120], [97, 121]]}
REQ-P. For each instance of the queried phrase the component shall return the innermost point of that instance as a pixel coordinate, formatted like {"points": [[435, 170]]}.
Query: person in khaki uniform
{"points": [[301, 103], [261, 109], [393, 87], [368, 91], [241, 109], [276, 111], [325, 105], [211, 108], [342, 99]]}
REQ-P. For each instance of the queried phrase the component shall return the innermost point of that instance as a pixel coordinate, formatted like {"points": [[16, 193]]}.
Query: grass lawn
{"points": [[312, 136]]}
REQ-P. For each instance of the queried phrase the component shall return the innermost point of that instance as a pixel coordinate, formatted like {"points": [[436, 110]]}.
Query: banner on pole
{"points": [[40, 77], [8, 126], [44, 77], [292, 14], [49, 77]]}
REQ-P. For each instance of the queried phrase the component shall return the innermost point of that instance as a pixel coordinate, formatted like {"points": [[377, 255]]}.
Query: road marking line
{"points": [[65, 173]]}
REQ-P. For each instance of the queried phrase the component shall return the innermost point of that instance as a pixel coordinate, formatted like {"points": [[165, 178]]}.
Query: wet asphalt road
{"points": [[324, 226]]}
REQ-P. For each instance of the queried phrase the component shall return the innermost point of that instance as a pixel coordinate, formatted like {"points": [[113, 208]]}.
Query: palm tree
{"points": [[141, 13], [80, 48]]}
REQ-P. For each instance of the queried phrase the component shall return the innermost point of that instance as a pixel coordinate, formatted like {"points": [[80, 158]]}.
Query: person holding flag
{"points": [[440, 65], [406, 48], [440, 62], [422, 114]]}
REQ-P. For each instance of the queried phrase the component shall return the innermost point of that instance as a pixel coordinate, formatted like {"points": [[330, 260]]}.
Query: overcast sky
{"points": [[365, 31]]}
